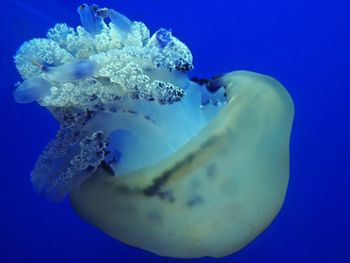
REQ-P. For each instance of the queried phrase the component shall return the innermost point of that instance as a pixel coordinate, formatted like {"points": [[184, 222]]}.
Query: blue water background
{"points": [[303, 43]]}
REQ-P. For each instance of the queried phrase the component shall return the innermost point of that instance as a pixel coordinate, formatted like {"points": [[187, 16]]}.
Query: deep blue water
{"points": [[304, 44]]}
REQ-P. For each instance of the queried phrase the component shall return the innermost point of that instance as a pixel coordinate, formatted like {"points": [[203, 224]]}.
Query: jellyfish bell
{"points": [[214, 195], [182, 168]]}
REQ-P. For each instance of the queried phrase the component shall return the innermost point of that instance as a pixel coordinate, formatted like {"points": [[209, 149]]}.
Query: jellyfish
{"points": [[179, 167]]}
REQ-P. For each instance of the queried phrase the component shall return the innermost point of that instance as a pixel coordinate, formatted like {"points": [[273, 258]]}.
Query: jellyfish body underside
{"points": [[214, 195]]}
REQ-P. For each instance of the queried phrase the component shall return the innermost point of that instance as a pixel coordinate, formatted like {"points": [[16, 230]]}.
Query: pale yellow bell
{"points": [[213, 196]]}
